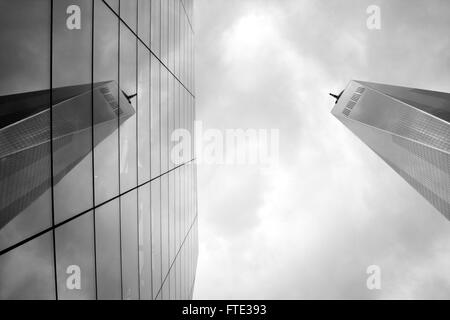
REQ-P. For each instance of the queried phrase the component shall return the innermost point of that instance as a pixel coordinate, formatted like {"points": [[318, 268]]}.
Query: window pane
{"points": [[171, 34], [27, 272], [176, 48], [155, 118], [114, 4], [106, 139], [72, 111], [164, 121], [128, 13], [156, 236], [165, 225], [25, 164], [178, 279], [170, 118], [183, 274], [145, 259], [164, 30], [165, 290], [178, 207], [155, 33], [143, 114], [182, 47], [172, 248], [172, 284], [183, 203], [75, 259], [144, 21], [129, 223], [127, 131], [107, 231]]}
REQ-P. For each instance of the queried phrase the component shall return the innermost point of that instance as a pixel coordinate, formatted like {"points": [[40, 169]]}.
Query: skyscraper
{"points": [[408, 128], [91, 204]]}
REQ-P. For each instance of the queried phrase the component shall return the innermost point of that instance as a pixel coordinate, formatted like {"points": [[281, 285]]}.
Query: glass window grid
{"points": [[184, 238]]}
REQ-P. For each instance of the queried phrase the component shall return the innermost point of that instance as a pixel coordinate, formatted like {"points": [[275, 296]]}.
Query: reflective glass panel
{"points": [[72, 108], [107, 232], [129, 224], [114, 4], [156, 235], [143, 106], [106, 104], [165, 224], [128, 13], [164, 121], [144, 21], [27, 272], [25, 162], [127, 131], [145, 259], [155, 34], [75, 259], [155, 118]]}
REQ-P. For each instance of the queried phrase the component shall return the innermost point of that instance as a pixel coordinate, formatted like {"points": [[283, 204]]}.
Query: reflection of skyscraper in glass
{"points": [[24, 140], [86, 178], [408, 128]]}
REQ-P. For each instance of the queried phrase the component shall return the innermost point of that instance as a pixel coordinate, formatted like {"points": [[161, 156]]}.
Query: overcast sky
{"points": [[309, 227]]}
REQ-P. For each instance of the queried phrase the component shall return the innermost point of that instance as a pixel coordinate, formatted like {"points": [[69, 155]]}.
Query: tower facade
{"points": [[92, 205], [408, 128]]}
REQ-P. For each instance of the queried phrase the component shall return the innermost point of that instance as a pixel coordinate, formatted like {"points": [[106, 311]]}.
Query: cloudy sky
{"points": [[310, 226]]}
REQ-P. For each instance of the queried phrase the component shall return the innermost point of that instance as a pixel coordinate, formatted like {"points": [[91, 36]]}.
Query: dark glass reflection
{"points": [[25, 170], [106, 55], [27, 272], [75, 259], [72, 65], [107, 231], [66, 120], [129, 236], [110, 109]]}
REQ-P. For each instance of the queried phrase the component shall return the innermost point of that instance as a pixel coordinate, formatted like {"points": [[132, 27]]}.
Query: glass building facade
{"points": [[408, 128], [91, 204]]}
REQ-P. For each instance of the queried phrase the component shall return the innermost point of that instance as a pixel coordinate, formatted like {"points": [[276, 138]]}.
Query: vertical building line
{"points": [[92, 151], [160, 147], [51, 153], [137, 145], [118, 152], [151, 151]]}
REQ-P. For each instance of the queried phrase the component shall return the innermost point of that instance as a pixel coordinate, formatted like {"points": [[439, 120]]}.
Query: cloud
{"points": [[310, 227]]}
